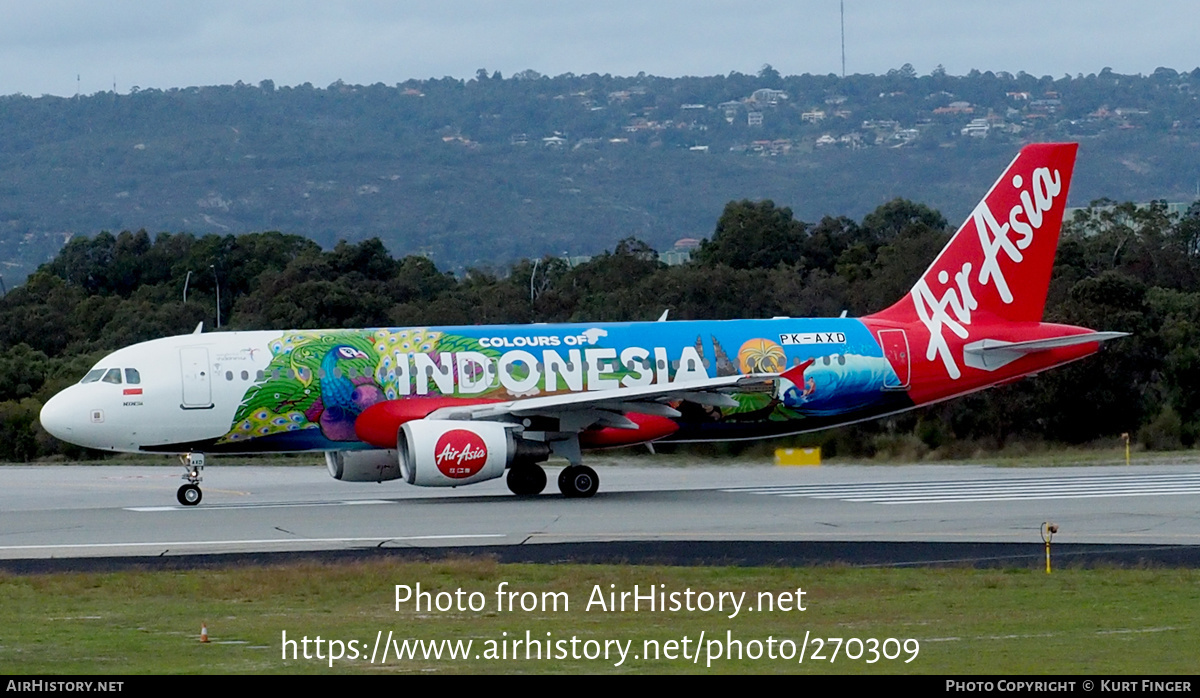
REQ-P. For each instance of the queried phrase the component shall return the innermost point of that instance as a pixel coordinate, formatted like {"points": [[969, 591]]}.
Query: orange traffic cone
{"points": [[203, 632]]}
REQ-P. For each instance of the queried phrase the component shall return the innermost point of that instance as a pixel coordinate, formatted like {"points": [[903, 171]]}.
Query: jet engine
{"points": [[448, 453], [362, 466]]}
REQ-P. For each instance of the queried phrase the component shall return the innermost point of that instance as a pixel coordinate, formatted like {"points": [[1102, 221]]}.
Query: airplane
{"points": [[452, 406]]}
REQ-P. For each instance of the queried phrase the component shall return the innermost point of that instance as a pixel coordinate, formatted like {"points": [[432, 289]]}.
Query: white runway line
{"points": [[280, 505], [993, 490], [257, 541]]}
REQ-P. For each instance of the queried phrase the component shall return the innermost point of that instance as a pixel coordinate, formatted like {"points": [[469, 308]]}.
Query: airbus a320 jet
{"points": [[452, 406]]}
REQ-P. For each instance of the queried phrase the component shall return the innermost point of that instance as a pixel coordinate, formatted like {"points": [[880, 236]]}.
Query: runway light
{"points": [[1048, 531]]}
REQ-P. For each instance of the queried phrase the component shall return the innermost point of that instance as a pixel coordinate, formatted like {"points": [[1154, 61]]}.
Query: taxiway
{"points": [[50, 511]]}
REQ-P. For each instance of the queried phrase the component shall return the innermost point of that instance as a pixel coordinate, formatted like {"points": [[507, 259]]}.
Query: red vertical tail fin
{"points": [[999, 261], [996, 268]]}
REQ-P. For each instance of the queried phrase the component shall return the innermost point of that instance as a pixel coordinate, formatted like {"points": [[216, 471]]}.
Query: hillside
{"points": [[483, 171]]}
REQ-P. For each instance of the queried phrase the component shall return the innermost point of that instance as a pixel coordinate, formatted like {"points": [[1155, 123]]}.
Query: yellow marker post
{"points": [[1048, 531], [1125, 436], [798, 456]]}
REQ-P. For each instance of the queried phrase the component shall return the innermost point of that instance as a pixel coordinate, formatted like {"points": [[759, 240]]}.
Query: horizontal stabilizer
{"points": [[991, 354]]}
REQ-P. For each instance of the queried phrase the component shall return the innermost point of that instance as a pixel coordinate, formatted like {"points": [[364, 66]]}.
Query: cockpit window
{"points": [[93, 375], [113, 376], [132, 376]]}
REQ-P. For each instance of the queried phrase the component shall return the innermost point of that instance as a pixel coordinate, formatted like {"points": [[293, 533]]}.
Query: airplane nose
{"points": [[56, 417]]}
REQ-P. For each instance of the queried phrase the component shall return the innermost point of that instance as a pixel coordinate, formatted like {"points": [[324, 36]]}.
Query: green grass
{"points": [[965, 621]]}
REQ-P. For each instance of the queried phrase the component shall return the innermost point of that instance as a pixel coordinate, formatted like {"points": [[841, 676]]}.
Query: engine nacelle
{"points": [[362, 466], [447, 453]]}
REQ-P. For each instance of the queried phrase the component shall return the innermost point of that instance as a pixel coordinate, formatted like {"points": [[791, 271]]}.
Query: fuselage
{"points": [[286, 391], [972, 320], [449, 406]]}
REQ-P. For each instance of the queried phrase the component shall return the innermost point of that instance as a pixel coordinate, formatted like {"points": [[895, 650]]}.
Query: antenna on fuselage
{"points": [[843, 314], [199, 328], [663, 317]]}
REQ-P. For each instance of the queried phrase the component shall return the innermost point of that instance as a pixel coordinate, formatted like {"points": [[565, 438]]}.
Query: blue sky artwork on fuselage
{"points": [[319, 381]]}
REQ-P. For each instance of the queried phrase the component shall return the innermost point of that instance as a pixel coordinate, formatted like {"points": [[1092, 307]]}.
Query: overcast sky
{"points": [[63, 46]]}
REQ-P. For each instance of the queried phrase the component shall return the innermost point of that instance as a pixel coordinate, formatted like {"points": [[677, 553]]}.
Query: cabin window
{"points": [[841, 359], [245, 375], [132, 376], [113, 376], [229, 375], [825, 360], [93, 375], [260, 376]]}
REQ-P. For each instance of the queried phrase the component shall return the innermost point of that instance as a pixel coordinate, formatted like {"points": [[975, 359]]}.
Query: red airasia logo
{"points": [[460, 453]]}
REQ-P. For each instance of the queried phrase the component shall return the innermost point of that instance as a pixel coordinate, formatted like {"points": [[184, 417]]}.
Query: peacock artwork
{"points": [[318, 383]]}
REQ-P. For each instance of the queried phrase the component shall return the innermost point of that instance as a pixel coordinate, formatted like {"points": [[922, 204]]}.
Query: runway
{"points": [[51, 511], [1010, 489]]}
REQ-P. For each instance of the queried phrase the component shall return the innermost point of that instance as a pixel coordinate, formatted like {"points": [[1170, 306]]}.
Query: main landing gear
{"points": [[526, 480], [578, 482], [575, 481], [189, 495]]}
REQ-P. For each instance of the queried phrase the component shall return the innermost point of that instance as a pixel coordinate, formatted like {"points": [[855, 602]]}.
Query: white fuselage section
{"points": [[188, 389]]}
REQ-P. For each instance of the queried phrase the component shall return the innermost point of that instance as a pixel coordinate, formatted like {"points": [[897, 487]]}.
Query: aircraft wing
{"points": [[649, 399]]}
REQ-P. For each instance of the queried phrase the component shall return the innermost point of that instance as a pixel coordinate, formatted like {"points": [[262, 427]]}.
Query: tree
{"points": [[754, 235], [769, 76], [897, 216]]}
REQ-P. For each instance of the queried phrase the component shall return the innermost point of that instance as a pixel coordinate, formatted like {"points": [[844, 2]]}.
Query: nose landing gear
{"points": [[189, 495]]}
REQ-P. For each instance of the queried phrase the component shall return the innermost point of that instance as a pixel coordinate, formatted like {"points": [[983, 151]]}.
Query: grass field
{"points": [[961, 621]]}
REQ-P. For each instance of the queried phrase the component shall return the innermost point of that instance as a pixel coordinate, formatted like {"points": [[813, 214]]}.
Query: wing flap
{"points": [[643, 400]]}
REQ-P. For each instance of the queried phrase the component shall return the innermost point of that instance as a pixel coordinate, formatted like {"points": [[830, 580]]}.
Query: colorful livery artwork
{"points": [[449, 406]]}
